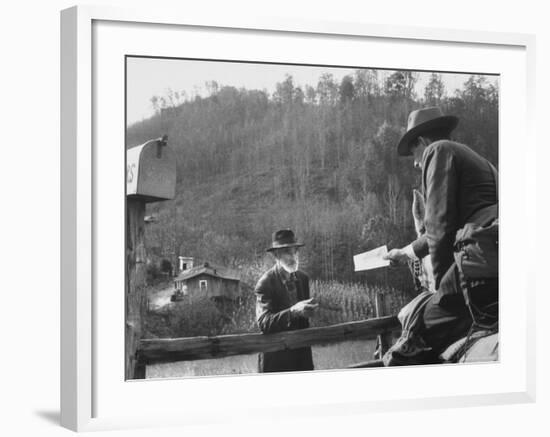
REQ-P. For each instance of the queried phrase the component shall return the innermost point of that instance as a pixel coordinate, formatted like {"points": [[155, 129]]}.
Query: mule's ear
{"points": [[418, 211]]}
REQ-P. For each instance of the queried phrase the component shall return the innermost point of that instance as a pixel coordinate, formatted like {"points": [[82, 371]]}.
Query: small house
{"points": [[208, 280]]}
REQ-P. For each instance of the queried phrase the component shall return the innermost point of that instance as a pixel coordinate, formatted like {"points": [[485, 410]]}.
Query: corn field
{"points": [[345, 302]]}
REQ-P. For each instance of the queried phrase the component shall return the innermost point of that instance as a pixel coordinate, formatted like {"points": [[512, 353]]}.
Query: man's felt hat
{"points": [[283, 238], [422, 121]]}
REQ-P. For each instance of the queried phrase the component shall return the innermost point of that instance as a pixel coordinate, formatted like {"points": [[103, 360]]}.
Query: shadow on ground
{"points": [[49, 416]]}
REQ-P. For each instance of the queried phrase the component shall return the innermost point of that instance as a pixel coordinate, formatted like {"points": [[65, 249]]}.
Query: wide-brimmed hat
{"points": [[422, 121], [283, 238]]}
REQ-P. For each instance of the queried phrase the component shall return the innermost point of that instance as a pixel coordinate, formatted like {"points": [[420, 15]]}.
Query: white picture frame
{"points": [[81, 203]]}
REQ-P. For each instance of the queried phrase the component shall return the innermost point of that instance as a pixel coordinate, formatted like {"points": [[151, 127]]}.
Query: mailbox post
{"points": [[150, 177]]}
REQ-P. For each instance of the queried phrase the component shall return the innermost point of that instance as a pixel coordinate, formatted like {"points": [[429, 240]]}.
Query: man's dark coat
{"points": [[459, 187], [276, 292]]}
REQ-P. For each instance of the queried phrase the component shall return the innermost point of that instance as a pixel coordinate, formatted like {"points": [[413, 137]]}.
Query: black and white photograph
{"points": [[292, 218]]}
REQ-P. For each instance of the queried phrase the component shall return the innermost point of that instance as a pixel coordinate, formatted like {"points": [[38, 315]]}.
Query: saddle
{"points": [[480, 346]]}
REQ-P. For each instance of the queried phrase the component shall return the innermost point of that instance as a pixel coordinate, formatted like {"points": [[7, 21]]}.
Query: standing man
{"points": [[283, 304], [459, 187]]}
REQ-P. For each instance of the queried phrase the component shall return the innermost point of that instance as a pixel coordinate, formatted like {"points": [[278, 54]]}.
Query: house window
{"points": [[203, 285]]}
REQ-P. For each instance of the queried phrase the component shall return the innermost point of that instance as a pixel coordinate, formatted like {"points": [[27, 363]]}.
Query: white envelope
{"points": [[371, 259]]}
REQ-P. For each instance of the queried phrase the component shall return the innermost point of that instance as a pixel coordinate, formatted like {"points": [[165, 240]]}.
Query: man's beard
{"points": [[290, 268]]}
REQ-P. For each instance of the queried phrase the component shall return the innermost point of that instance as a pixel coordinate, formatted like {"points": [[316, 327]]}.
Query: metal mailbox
{"points": [[151, 171]]}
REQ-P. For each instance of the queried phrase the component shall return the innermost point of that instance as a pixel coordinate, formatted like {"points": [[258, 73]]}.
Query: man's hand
{"points": [[397, 256], [304, 308]]}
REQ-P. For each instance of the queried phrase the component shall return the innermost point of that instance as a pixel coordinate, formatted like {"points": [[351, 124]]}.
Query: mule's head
{"points": [[421, 269], [418, 211]]}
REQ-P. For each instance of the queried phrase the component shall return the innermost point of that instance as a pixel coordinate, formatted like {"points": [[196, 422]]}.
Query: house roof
{"points": [[208, 269]]}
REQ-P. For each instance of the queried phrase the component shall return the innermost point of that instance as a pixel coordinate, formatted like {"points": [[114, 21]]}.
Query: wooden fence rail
{"points": [[168, 350]]}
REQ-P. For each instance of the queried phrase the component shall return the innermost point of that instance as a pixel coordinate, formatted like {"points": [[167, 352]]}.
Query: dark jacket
{"points": [[459, 187], [274, 297]]}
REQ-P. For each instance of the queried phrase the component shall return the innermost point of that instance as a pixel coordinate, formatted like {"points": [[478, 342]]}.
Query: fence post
{"points": [[150, 177], [136, 276], [384, 340]]}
